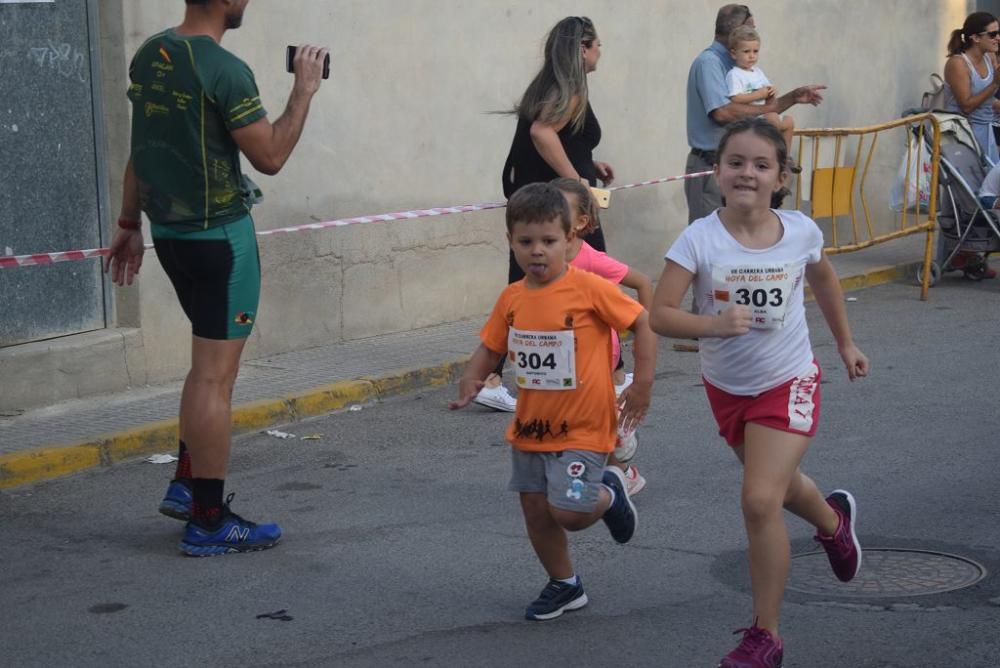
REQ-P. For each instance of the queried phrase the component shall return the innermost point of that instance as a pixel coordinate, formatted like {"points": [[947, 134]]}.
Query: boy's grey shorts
{"points": [[571, 479]]}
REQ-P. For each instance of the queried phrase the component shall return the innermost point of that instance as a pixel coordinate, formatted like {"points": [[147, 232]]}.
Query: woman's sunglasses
{"points": [[992, 34]]}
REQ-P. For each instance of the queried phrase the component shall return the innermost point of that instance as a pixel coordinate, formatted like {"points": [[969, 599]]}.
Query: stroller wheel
{"points": [[935, 274]]}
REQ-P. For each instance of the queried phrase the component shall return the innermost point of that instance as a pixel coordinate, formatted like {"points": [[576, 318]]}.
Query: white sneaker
{"points": [[634, 482], [497, 398], [621, 388], [626, 445]]}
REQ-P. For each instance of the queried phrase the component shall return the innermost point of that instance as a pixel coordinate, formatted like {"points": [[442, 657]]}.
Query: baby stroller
{"points": [[969, 232]]}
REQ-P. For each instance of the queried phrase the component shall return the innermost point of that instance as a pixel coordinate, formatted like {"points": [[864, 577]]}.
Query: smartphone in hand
{"points": [[290, 61]]}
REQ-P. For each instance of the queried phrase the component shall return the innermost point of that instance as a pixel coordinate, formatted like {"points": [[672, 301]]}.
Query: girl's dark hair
{"points": [[762, 129], [586, 205], [961, 38], [538, 203]]}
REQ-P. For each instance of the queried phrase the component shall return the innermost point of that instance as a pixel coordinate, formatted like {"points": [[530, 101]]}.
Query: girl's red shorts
{"points": [[791, 407]]}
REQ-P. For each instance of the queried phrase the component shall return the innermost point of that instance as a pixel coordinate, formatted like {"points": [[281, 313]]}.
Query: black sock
{"points": [[206, 510], [183, 471]]}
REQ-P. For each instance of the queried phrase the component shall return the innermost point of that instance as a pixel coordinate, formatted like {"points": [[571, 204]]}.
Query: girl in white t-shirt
{"points": [[747, 262], [748, 84]]}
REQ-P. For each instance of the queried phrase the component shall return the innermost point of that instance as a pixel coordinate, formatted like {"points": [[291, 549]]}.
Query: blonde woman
{"points": [[557, 132]]}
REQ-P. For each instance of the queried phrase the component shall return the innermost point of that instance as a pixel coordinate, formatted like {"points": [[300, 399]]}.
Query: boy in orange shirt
{"points": [[555, 327]]}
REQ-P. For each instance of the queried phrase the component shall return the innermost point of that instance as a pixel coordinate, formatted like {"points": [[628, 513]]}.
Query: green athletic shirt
{"points": [[188, 94]]}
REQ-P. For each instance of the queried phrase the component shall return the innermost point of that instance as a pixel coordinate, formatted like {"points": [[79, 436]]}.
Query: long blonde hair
{"points": [[560, 87]]}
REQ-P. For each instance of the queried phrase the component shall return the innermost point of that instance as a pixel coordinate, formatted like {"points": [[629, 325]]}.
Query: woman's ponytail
{"points": [[955, 42], [975, 23]]}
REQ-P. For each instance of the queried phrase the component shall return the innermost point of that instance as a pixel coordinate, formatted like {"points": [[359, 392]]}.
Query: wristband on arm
{"points": [[127, 224]]}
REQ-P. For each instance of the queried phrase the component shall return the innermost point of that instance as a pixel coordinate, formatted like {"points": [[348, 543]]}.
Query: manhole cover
{"points": [[885, 573]]}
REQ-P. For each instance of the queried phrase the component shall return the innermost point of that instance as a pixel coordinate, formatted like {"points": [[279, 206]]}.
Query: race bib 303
{"points": [[765, 289]]}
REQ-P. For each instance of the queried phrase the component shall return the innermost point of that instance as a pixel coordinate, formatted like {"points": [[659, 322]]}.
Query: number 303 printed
{"points": [[759, 297]]}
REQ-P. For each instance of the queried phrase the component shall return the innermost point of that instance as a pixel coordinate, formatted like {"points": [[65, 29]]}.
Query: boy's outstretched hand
{"points": [[468, 388], [633, 404], [855, 361]]}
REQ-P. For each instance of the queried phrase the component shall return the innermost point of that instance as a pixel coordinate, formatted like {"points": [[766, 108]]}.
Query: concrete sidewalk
{"points": [[103, 431]]}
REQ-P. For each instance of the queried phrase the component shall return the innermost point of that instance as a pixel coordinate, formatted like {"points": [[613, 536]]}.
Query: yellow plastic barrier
{"points": [[837, 184]]}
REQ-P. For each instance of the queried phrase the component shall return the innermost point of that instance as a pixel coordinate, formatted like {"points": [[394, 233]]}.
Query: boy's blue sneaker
{"points": [[231, 534], [620, 516], [177, 502], [557, 598]]}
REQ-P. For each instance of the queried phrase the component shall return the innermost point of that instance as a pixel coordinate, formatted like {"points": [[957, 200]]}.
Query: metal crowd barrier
{"points": [[838, 165]]}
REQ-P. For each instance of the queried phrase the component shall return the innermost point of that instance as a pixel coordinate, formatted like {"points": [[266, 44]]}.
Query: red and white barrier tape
{"points": [[385, 217], [665, 179], [9, 261]]}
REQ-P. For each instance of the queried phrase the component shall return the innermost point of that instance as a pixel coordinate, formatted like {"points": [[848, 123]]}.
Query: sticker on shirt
{"points": [[764, 289], [543, 360]]}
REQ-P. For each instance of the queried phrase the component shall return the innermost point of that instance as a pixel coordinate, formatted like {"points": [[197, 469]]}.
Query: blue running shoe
{"points": [[557, 598], [620, 517], [232, 534], [177, 502]]}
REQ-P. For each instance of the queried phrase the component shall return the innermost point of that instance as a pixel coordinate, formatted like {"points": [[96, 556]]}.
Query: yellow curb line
{"points": [[19, 468], [874, 277], [37, 464]]}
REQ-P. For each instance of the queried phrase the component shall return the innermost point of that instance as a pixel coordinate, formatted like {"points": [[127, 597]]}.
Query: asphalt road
{"points": [[402, 546]]}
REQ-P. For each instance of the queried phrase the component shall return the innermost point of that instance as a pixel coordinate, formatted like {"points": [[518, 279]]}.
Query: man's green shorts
{"points": [[216, 274]]}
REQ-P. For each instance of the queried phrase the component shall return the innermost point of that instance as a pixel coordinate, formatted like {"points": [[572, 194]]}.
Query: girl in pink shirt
{"points": [[582, 255]]}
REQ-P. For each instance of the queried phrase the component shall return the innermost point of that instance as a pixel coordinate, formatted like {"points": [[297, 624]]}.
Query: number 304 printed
{"points": [[535, 361]]}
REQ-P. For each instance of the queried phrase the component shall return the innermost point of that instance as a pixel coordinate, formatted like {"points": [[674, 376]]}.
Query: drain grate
{"points": [[886, 573]]}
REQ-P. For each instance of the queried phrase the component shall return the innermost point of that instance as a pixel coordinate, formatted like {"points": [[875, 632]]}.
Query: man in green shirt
{"points": [[195, 108]]}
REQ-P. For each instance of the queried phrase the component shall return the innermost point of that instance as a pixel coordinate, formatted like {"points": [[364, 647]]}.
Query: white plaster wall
{"points": [[404, 122]]}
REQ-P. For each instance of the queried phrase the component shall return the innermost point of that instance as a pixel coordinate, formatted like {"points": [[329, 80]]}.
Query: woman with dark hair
{"points": [[556, 135], [970, 89], [970, 81]]}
